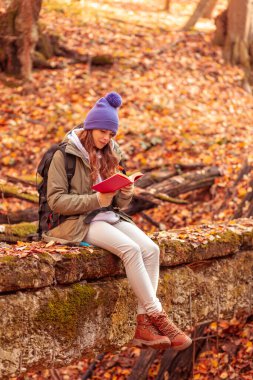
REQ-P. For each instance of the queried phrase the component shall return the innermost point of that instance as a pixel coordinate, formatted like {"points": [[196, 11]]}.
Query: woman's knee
{"points": [[152, 250], [132, 254]]}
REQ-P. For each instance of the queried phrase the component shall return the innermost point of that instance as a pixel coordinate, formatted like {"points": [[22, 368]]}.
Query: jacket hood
{"points": [[73, 149]]}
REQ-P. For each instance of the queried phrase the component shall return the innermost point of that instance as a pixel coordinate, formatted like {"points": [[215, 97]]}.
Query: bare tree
{"points": [[167, 5], [209, 9], [202, 8], [234, 31], [18, 35]]}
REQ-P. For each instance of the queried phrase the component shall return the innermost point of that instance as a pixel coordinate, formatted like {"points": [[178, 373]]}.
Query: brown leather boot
{"points": [[179, 340], [146, 335]]}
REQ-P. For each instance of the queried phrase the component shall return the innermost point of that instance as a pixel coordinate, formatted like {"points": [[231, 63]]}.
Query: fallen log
{"points": [[154, 177], [151, 191], [172, 187], [27, 181], [11, 233], [24, 189], [187, 182], [185, 167], [50, 45], [27, 215], [159, 187], [9, 190]]}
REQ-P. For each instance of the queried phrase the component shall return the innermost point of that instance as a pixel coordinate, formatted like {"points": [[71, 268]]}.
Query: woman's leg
{"points": [[150, 253], [155, 329], [109, 237]]}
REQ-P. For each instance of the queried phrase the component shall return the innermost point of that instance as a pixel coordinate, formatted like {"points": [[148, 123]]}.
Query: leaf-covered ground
{"points": [[228, 355], [182, 104]]}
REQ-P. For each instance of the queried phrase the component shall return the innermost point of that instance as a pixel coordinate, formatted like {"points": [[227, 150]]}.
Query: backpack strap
{"points": [[70, 166], [45, 213], [46, 159]]}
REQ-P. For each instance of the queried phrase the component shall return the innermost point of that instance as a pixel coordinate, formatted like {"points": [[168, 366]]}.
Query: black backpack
{"points": [[47, 218]]}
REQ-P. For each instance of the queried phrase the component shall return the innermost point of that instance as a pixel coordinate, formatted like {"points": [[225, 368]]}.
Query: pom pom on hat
{"points": [[104, 114], [114, 99]]}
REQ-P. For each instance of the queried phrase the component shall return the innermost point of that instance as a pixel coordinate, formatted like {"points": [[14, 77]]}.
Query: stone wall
{"points": [[56, 307]]}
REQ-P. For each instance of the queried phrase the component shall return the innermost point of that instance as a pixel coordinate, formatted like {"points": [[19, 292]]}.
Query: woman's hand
{"points": [[127, 191], [105, 199]]}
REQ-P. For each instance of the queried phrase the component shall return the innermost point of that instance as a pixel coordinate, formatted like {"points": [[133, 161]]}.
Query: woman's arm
{"points": [[57, 191], [123, 198]]}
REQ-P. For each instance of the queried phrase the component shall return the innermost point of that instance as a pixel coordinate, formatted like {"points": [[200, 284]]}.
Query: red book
{"points": [[116, 182]]}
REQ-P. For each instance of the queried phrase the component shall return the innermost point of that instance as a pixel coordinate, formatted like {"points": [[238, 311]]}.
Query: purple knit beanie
{"points": [[104, 114]]}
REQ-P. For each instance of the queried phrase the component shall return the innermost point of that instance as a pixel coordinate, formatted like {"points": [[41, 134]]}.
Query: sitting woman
{"points": [[97, 219]]}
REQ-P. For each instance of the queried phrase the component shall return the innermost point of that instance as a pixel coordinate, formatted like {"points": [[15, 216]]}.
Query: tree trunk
{"points": [[221, 28], [238, 47], [209, 9], [199, 12], [18, 35], [167, 5], [234, 31]]}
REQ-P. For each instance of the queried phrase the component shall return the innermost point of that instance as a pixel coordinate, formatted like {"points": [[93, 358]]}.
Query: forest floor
{"points": [[181, 104], [227, 356]]}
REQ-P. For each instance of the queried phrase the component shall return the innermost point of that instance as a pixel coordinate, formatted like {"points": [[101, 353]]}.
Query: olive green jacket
{"points": [[79, 202]]}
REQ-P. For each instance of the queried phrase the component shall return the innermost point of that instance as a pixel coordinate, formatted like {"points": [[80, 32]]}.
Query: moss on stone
{"points": [[63, 315], [8, 259], [70, 255], [85, 254], [21, 230], [96, 252], [167, 277], [46, 257], [230, 237], [178, 246]]}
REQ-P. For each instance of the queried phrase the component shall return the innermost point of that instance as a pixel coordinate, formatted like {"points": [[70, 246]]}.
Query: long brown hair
{"points": [[106, 165]]}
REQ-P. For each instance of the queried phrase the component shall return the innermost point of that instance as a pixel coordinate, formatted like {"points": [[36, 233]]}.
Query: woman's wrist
{"points": [[122, 196], [98, 198]]}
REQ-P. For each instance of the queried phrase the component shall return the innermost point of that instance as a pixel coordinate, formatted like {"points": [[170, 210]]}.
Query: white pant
{"points": [[140, 256]]}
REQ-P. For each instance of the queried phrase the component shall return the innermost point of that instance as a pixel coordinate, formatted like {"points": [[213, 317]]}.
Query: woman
{"points": [[97, 218]]}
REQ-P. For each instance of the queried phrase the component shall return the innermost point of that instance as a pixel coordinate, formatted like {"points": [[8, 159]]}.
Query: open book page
{"points": [[116, 182], [133, 177]]}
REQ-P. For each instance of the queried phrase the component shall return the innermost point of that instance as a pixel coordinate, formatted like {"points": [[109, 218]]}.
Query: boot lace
{"points": [[166, 326], [149, 326]]}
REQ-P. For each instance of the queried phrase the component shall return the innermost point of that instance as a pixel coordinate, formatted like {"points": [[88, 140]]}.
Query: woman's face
{"points": [[101, 137]]}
